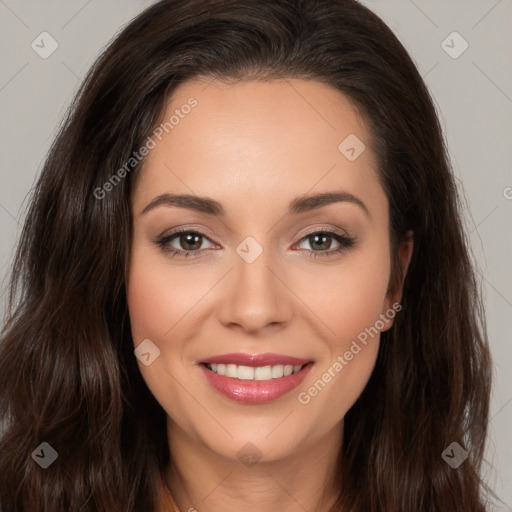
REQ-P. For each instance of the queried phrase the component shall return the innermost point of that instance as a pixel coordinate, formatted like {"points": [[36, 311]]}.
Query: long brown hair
{"points": [[68, 375]]}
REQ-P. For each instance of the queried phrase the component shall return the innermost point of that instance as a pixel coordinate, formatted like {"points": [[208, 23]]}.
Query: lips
{"points": [[255, 378], [269, 359]]}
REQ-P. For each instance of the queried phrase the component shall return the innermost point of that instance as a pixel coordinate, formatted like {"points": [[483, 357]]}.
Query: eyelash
{"points": [[345, 242]]}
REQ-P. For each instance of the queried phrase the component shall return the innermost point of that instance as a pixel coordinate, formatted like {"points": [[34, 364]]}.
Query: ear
{"points": [[395, 289]]}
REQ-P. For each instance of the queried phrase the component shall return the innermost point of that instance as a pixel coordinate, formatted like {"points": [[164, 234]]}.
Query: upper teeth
{"points": [[254, 373]]}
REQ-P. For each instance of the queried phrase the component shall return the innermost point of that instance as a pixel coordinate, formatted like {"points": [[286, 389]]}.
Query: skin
{"points": [[254, 147]]}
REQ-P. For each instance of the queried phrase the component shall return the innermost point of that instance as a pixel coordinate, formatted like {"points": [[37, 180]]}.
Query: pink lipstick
{"points": [[255, 378]]}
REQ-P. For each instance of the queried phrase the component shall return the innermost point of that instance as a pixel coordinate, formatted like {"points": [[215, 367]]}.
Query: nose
{"points": [[255, 298]]}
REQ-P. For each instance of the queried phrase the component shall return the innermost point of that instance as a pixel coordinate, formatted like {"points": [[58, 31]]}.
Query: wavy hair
{"points": [[68, 375]]}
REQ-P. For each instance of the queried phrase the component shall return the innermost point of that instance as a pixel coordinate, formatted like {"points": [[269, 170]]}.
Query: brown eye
{"points": [[190, 241], [183, 243], [320, 243]]}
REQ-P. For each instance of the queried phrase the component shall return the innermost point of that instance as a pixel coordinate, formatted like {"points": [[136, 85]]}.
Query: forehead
{"points": [[268, 140]]}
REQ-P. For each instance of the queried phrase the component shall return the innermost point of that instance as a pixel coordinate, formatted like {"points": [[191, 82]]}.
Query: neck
{"points": [[203, 480]]}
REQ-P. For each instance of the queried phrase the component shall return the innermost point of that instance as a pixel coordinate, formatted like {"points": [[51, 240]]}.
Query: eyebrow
{"points": [[212, 207]]}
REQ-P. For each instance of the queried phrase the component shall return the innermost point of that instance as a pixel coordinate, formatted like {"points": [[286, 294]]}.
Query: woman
{"points": [[243, 281]]}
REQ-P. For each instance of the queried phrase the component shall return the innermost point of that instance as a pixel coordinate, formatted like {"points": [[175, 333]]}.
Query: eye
{"points": [[321, 242], [189, 243]]}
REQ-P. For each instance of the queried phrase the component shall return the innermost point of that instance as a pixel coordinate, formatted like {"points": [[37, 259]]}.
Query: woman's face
{"points": [[257, 285]]}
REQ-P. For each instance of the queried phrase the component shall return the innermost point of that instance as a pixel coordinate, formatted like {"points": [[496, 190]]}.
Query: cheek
{"points": [[356, 320], [351, 302], [349, 297], [157, 298], [361, 295], [158, 301]]}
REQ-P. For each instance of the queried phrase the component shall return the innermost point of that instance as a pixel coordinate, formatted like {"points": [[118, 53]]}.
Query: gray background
{"points": [[473, 93]]}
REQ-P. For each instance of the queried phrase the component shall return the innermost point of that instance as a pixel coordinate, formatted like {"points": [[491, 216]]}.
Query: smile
{"points": [[254, 373], [255, 379]]}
